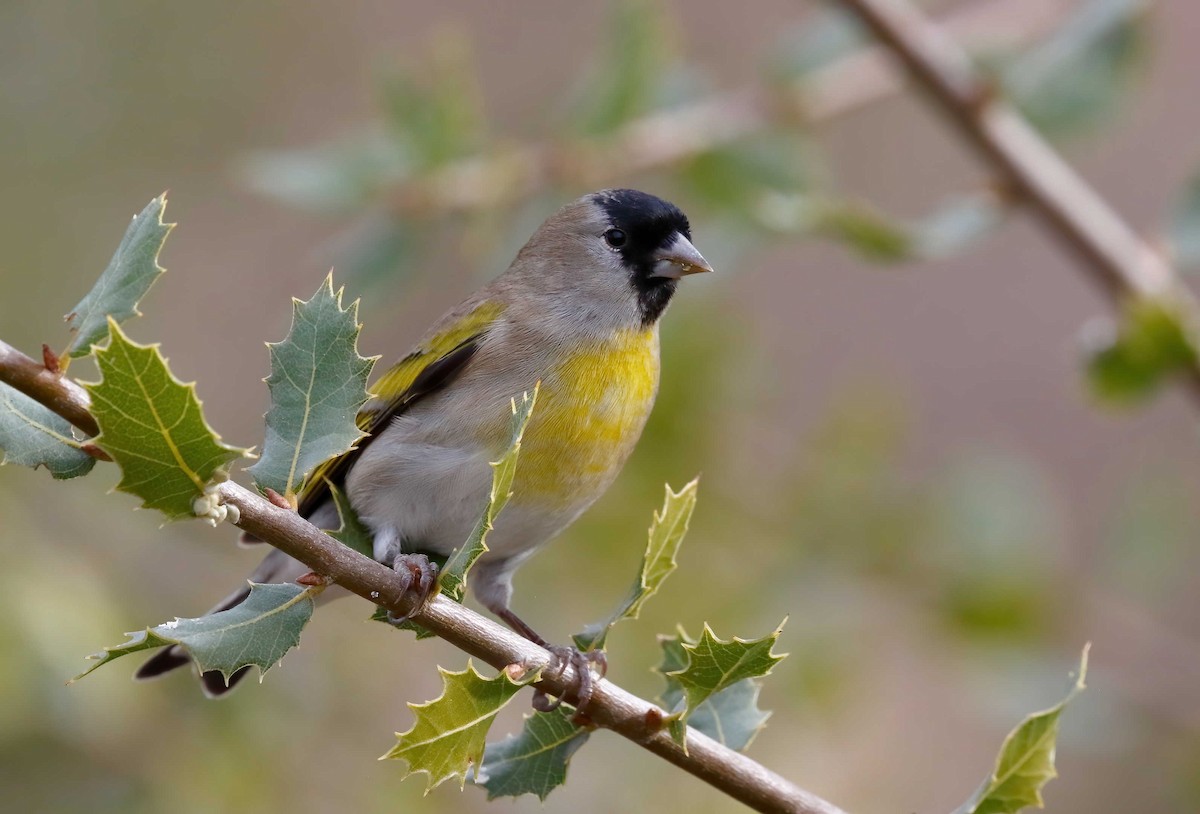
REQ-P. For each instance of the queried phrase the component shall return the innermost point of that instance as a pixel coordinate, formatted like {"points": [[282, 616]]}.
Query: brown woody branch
{"points": [[611, 707]]}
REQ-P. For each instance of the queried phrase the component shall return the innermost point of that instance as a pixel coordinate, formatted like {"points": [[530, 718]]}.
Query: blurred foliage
{"points": [[881, 565], [1152, 344]]}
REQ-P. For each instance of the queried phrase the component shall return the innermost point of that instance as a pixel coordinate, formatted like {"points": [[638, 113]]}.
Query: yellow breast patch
{"points": [[590, 413]]}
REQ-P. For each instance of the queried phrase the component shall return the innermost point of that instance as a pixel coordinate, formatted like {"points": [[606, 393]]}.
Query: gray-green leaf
{"points": [[1184, 234], [667, 530], [33, 435], [130, 273], [318, 382], [1026, 761], [714, 665], [730, 716], [257, 632], [535, 760]]}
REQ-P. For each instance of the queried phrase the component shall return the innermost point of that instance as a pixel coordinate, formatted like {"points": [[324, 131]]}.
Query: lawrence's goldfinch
{"points": [[577, 310]]}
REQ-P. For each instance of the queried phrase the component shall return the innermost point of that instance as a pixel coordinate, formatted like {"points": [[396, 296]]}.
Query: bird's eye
{"points": [[615, 238]]}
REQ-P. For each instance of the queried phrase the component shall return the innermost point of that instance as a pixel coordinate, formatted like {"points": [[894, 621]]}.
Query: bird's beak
{"points": [[678, 259]]}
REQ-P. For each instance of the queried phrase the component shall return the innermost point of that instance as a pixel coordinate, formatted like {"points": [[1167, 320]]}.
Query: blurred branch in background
{"points": [[1115, 256]]}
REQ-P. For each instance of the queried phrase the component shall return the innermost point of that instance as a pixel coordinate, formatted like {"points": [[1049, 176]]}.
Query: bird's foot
{"points": [[582, 662], [418, 576]]}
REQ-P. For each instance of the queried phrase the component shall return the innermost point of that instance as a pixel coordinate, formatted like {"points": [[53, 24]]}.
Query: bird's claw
{"points": [[582, 662], [418, 576]]}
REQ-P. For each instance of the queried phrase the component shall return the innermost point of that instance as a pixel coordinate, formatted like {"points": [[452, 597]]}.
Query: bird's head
{"points": [[616, 253]]}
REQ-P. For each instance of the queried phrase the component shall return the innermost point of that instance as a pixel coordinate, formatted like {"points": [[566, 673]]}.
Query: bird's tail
{"points": [[275, 567]]}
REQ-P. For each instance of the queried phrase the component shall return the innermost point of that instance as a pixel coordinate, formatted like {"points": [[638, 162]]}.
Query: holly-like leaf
{"points": [[153, 427], [318, 382], [130, 273], [350, 531], [731, 716], [1026, 761], [667, 530], [714, 665], [453, 577], [259, 632], [535, 760], [1153, 344], [448, 736], [33, 435]]}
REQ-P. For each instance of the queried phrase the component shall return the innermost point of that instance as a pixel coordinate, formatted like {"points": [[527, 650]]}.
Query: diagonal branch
{"points": [[1115, 257], [611, 707]]}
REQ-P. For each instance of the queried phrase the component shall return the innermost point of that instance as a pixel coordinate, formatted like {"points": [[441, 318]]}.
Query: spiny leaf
{"points": [[667, 530], [33, 435], [731, 716], [152, 426], [448, 736], [453, 578], [351, 531], [259, 632], [1152, 345], [535, 760], [130, 273], [318, 382], [714, 665], [1026, 761]]}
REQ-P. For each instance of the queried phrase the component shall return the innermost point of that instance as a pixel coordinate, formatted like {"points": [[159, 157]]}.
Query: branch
{"points": [[1115, 257], [676, 135], [611, 707]]}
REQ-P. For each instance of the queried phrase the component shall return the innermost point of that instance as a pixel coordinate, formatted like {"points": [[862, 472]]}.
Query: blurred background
{"points": [[884, 386]]}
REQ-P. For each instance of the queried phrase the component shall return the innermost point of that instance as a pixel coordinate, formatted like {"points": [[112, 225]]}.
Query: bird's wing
{"points": [[437, 360]]}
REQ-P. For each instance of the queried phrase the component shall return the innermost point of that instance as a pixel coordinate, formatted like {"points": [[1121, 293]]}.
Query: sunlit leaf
{"points": [[153, 427], [535, 760], [453, 577], [714, 665], [447, 738], [731, 716], [667, 530], [257, 632], [1026, 761], [33, 435], [318, 382], [1152, 345], [130, 273]]}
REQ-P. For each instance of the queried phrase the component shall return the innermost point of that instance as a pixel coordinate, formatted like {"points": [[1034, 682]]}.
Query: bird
{"points": [[577, 314]]}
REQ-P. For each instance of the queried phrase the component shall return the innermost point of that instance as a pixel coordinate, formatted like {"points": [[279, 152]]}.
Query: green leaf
{"points": [[634, 74], [831, 35], [351, 531], [871, 235], [1026, 761], [714, 665], [1184, 233], [534, 761], [453, 577], [1077, 77], [130, 273], [152, 426], [731, 717], [33, 435], [257, 632], [318, 382], [448, 736], [956, 224], [1152, 345], [667, 530]]}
